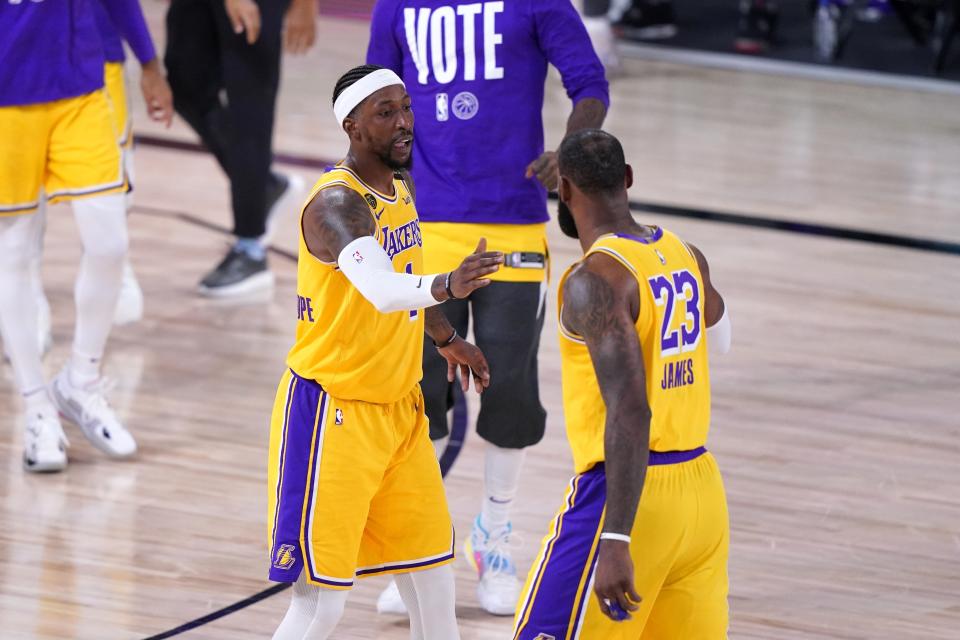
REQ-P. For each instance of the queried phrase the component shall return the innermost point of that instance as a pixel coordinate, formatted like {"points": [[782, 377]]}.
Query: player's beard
{"points": [[566, 222], [387, 158]]}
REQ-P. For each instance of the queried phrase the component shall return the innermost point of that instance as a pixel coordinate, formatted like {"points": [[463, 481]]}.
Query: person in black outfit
{"points": [[223, 61]]}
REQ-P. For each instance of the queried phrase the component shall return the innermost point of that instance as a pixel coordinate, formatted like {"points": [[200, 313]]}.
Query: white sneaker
{"points": [[44, 443], [284, 202], [390, 601], [88, 409], [489, 555], [130, 302]]}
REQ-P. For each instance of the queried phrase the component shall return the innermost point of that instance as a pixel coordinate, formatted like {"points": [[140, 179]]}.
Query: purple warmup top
{"points": [[476, 72], [136, 34], [51, 50]]}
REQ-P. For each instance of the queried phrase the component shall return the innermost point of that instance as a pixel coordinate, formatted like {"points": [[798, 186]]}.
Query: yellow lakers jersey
{"points": [[672, 333], [345, 344]]}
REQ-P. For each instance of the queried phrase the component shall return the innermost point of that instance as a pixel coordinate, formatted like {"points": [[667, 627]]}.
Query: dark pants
{"points": [[204, 59], [507, 320]]}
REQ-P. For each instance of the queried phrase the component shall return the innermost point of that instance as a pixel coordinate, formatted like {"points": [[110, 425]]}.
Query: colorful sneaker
{"points": [[130, 302], [390, 601], [44, 443], [88, 409], [489, 555]]}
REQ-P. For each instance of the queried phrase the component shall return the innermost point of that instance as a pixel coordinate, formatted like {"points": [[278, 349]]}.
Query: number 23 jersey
{"points": [[672, 332]]}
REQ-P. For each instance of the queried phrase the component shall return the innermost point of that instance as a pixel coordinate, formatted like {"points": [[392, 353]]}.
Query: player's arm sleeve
{"points": [[566, 45], [368, 268], [720, 334], [384, 49], [127, 16]]}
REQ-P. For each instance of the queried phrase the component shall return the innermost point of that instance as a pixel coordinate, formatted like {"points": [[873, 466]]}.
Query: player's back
{"points": [[352, 350], [671, 330]]}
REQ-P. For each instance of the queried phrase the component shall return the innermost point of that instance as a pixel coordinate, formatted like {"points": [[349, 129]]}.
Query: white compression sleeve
{"points": [[369, 268], [720, 335]]}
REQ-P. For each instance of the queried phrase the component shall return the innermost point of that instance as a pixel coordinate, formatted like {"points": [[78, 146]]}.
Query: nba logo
{"points": [[338, 419], [660, 255], [443, 111]]}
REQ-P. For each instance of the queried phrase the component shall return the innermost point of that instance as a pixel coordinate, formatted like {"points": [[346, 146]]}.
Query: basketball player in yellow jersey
{"points": [[354, 487], [644, 524]]}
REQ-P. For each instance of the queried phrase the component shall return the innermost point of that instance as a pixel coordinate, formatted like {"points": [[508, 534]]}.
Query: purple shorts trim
{"points": [[675, 457]]}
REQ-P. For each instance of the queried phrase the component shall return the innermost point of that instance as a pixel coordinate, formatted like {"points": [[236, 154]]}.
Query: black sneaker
{"points": [[646, 20], [237, 275], [757, 27]]}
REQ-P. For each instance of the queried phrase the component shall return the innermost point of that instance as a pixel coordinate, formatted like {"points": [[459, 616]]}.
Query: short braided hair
{"points": [[352, 76]]}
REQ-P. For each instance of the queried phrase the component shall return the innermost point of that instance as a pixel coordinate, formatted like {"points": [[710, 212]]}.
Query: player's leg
{"points": [[84, 166], [409, 527], [38, 227], [438, 398], [251, 75], [300, 613], [44, 441], [130, 302], [692, 602], [508, 318], [24, 139]]}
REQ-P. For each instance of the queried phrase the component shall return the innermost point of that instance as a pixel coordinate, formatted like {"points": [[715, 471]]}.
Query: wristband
{"points": [[615, 536], [446, 285], [447, 342]]}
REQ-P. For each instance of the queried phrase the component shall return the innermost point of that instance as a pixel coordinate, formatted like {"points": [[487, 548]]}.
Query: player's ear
{"points": [[628, 177], [350, 126], [563, 189]]}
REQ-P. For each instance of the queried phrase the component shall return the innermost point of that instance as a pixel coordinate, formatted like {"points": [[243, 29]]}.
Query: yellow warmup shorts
{"points": [[354, 488], [115, 84], [446, 244], [680, 545], [66, 148]]}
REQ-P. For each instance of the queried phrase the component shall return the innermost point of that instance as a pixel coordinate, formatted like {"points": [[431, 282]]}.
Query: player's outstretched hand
{"points": [[244, 17], [613, 582], [465, 356], [156, 93], [545, 170], [473, 271]]}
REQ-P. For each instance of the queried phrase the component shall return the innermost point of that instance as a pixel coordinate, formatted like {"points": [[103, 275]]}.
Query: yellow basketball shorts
{"points": [[354, 488], [446, 244], [66, 148], [680, 545], [115, 84]]}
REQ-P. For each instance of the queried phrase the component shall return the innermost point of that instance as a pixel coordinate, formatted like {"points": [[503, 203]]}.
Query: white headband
{"points": [[363, 89]]}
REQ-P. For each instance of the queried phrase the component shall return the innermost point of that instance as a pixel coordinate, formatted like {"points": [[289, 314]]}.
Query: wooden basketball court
{"points": [[836, 415]]}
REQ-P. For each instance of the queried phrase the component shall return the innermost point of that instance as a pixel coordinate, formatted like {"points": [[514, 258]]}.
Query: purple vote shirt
{"points": [[52, 49], [476, 74]]}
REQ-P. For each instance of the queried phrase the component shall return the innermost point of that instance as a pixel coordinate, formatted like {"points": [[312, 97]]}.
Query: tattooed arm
{"points": [[601, 303]]}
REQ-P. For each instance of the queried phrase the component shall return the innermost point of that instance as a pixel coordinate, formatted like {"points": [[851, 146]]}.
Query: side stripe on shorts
{"points": [[558, 592]]}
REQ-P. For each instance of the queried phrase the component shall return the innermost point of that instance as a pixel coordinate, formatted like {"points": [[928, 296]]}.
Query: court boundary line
{"points": [[723, 217]]}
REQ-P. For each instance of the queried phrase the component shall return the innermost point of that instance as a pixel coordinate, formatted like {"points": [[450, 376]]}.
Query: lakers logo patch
{"points": [[544, 636], [284, 558], [370, 200]]}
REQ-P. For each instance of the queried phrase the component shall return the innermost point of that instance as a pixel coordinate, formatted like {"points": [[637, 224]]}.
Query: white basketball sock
{"points": [[501, 479], [303, 607], [330, 605], [18, 303], [102, 222], [436, 597], [408, 593]]}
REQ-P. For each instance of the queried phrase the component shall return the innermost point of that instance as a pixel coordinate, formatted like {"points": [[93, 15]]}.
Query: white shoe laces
{"points": [[93, 399]]}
